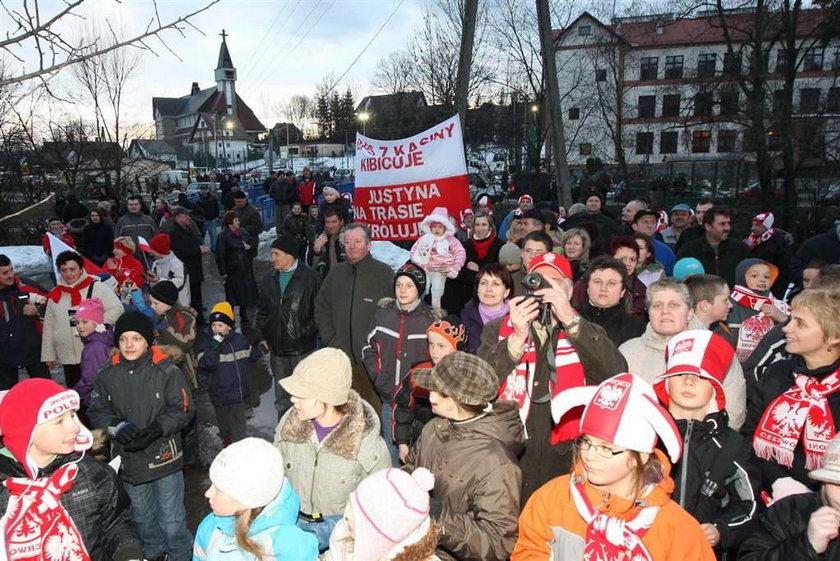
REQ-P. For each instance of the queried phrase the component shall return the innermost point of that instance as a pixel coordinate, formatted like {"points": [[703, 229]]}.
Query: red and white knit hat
{"points": [[31, 403], [766, 219], [699, 352], [526, 199], [623, 411]]}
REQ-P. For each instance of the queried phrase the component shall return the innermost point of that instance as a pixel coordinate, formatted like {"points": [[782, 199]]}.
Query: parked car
{"points": [[194, 189]]}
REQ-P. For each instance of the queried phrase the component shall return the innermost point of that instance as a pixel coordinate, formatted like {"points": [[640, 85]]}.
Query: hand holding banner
{"points": [[398, 182]]}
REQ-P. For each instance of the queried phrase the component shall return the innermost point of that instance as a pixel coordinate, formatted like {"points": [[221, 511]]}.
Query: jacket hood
{"points": [[154, 355], [106, 337], [281, 511], [360, 422], [502, 423], [744, 264], [658, 493]]}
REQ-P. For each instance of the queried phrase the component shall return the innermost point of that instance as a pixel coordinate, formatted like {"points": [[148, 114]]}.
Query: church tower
{"points": [[226, 77]]}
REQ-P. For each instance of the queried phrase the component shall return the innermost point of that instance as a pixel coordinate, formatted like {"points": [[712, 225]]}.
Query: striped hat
{"points": [[700, 352], [623, 411]]}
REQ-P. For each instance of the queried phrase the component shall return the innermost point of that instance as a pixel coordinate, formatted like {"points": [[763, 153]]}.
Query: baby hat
{"points": [[92, 309], [249, 471], [388, 506]]}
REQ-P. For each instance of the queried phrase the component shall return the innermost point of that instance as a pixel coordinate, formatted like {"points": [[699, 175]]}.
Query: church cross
{"points": [[223, 34]]}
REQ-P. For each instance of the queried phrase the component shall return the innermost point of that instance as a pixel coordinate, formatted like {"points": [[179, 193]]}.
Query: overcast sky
{"points": [[279, 48]]}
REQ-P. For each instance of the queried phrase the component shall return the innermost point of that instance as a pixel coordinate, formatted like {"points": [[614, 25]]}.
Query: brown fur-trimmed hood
{"points": [[360, 421]]}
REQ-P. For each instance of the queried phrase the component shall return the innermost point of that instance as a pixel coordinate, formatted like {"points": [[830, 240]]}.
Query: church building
{"points": [[215, 121]]}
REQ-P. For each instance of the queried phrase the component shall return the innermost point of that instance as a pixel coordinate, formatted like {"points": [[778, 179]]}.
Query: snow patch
{"points": [[28, 260]]}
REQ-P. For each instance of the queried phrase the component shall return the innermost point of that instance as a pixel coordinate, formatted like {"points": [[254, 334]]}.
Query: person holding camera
{"points": [[517, 346]]}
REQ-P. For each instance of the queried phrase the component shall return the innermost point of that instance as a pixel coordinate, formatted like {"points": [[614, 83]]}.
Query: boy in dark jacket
{"points": [[56, 502], [225, 357], [143, 401], [713, 479], [803, 526]]}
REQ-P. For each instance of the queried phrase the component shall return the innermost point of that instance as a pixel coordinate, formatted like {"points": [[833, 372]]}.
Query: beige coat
{"points": [[646, 358], [324, 474], [61, 342]]}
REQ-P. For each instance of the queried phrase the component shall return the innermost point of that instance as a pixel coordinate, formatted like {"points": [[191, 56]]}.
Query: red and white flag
{"points": [[143, 244], [398, 182], [57, 246]]}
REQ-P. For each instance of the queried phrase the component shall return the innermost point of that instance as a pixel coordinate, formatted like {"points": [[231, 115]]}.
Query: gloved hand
{"points": [[145, 438], [125, 432]]}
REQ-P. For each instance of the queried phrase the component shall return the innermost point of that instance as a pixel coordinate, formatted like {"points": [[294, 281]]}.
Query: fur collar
{"points": [[345, 441]]}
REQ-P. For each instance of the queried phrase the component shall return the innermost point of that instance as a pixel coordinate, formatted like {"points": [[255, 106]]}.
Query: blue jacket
{"points": [[225, 363], [665, 256], [275, 531]]}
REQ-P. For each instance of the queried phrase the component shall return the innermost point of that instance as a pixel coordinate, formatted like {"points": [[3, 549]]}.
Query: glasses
{"points": [[583, 445], [534, 252]]}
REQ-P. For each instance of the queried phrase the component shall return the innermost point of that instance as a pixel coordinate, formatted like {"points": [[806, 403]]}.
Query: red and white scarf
{"points": [[609, 538], [802, 411], [752, 240], [748, 298], [519, 384], [36, 526]]}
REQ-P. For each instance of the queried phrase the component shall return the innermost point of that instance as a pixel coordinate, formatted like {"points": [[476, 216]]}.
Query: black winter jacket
{"points": [[187, 248], [782, 533], [287, 322], [98, 241], [824, 246], [720, 261], [714, 479], [209, 206], [619, 325], [96, 503], [20, 335], [144, 391], [779, 378], [227, 367], [412, 409]]}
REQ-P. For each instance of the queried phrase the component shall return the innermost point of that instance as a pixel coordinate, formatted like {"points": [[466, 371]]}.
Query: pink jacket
{"points": [[422, 255]]}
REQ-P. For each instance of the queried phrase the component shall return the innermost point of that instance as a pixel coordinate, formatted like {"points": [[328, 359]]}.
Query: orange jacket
{"points": [[551, 528]]}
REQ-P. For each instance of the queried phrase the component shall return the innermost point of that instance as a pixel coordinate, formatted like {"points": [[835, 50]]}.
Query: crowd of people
{"points": [[547, 384]]}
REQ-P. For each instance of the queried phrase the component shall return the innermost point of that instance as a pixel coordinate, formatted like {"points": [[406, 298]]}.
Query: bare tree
{"points": [[34, 26], [394, 73]]}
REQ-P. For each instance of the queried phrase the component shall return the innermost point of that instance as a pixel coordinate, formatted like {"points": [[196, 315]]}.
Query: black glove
{"points": [[126, 433], [435, 508], [131, 551], [145, 438]]}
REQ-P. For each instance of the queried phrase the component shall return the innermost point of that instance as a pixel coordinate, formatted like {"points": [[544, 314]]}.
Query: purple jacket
{"points": [[95, 354], [471, 318]]}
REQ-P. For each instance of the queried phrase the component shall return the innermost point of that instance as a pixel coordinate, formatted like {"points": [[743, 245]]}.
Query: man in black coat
{"points": [[189, 249], [718, 254], [768, 244], [286, 314], [825, 246]]}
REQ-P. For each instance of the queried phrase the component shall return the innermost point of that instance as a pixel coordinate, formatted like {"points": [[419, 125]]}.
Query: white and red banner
{"points": [[398, 182]]}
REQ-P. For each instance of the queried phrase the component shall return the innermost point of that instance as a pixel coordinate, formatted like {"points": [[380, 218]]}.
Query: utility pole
{"points": [[465, 61], [270, 152], [558, 136]]}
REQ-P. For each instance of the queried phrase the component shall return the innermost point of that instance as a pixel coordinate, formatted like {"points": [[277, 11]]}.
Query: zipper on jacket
{"points": [[238, 374], [350, 318], [399, 348], [312, 483], [684, 470]]}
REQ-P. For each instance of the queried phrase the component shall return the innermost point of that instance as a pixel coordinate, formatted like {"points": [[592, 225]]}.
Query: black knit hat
{"points": [[165, 291], [137, 322], [287, 244], [240, 195], [415, 273]]}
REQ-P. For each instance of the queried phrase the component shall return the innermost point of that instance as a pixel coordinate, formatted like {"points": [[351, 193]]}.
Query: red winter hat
{"points": [[160, 244], [699, 352], [622, 411], [553, 260], [29, 404]]}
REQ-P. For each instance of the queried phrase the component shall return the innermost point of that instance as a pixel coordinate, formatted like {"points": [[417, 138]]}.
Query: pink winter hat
{"points": [[92, 309], [388, 506]]}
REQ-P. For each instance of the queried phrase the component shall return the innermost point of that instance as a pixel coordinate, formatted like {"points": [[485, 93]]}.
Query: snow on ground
{"points": [[390, 254], [28, 260]]}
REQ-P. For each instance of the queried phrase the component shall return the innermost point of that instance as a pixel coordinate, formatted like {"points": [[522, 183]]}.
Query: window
{"points": [[726, 141], [706, 64], [644, 143], [671, 105], [703, 102], [729, 103], [649, 68], [647, 106], [781, 58], [809, 100], [668, 142], [584, 30], [585, 149], [700, 142], [674, 66], [779, 101], [574, 113], [600, 75], [731, 63], [813, 59], [833, 103]]}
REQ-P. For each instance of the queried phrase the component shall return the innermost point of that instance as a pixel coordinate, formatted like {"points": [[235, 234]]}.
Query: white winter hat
{"points": [[440, 216], [249, 471], [623, 411]]}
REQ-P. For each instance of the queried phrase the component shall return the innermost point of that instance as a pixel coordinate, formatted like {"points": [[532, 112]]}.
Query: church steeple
{"points": [[226, 76]]}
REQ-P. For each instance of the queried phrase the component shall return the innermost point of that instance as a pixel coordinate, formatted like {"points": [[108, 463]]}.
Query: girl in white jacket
{"points": [[438, 252]]}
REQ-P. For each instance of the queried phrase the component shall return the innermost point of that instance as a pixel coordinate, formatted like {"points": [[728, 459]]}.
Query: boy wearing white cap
{"points": [[803, 526], [714, 479], [615, 504]]}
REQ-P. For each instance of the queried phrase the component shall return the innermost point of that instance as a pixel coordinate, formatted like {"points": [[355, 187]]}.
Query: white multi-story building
{"points": [[658, 89]]}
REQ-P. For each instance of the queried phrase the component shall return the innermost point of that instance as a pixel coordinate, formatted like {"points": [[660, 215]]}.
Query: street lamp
{"points": [[363, 117]]}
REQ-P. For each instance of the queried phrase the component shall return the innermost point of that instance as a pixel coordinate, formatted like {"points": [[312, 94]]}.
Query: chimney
{"points": [[660, 27], [194, 89]]}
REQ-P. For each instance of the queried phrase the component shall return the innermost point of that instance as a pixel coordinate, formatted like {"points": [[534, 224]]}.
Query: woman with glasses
{"points": [[615, 504]]}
